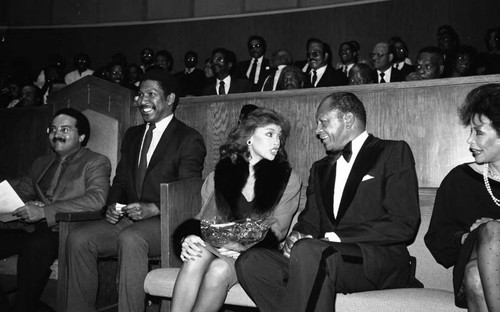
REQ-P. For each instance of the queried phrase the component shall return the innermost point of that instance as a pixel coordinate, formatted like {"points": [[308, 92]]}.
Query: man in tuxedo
{"points": [[430, 64], [225, 83], [382, 57], [72, 179], [321, 73], [162, 150], [361, 213], [257, 68], [191, 80]]}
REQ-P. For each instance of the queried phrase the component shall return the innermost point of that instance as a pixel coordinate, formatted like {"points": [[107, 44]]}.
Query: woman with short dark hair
{"points": [[465, 227]]}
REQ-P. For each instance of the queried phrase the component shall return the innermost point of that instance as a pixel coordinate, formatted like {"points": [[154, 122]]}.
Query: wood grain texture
{"points": [[424, 114]]}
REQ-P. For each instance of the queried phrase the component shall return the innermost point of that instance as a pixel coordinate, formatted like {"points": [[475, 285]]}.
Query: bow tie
{"points": [[346, 152]]}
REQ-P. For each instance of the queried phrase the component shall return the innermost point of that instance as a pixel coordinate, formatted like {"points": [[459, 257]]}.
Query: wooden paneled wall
{"points": [[424, 114]]}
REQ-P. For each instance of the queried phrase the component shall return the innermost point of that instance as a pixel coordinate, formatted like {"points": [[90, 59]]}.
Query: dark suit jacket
{"points": [[379, 209], [237, 86], [179, 155], [396, 76], [330, 78], [190, 84], [265, 68], [406, 69], [83, 186]]}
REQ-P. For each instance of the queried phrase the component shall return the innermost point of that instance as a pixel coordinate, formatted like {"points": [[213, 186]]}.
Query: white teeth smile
{"points": [[147, 109]]}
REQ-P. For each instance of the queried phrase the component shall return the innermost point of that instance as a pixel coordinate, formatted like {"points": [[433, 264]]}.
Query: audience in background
{"points": [[360, 74], [489, 61], [292, 78], [134, 73], [165, 60], [82, 65], [464, 62], [382, 58], [401, 60], [389, 61], [222, 62], [192, 79], [147, 59], [430, 64], [279, 60], [322, 73], [257, 68], [348, 54]]}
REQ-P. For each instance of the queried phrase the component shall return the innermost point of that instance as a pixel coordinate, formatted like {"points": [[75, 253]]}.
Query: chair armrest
{"points": [[180, 200], [78, 216]]}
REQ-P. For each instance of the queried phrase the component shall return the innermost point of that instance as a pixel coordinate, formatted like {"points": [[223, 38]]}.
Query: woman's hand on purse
{"points": [[228, 253], [191, 247]]}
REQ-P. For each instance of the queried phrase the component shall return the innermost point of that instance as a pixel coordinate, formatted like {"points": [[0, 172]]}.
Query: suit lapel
{"points": [[161, 148], [326, 182], [40, 176], [364, 161]]}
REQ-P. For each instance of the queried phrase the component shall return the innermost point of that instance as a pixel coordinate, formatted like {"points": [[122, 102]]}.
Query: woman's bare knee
{"points": [[218, 273]]}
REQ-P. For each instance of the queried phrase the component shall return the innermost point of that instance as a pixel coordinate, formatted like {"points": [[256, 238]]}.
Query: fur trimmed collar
{"points": [[271, 178]]}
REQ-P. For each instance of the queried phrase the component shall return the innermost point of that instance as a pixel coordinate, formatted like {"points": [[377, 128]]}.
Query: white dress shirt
{"points": [[319, 73], [227, 84], [160, 127], [341, 175], [387, 75]]}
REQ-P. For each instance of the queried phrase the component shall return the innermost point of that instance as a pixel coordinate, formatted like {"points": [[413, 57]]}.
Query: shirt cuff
{"points": [[332, 237]]}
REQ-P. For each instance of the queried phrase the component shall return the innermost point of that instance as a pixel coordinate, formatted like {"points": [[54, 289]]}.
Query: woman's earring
{"points": [[249, 142]]}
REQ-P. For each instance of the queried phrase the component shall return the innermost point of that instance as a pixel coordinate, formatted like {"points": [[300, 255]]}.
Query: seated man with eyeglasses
{"points": [[71, 179], [382, 59], [227, 82], [430, 64]]}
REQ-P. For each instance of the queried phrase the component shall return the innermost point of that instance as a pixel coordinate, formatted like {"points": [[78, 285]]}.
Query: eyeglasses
{"points": [[254, 46], [377, 55], [63, 129]]}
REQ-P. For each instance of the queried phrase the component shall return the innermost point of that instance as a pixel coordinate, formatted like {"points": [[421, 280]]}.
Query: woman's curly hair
{"points": [[236, 143]]}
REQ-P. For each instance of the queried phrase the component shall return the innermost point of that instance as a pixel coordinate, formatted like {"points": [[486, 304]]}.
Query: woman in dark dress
{"points": [[465, 227], [252, 179]]}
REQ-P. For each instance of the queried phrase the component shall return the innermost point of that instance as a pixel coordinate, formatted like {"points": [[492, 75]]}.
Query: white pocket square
{"points": [[367, 177]]}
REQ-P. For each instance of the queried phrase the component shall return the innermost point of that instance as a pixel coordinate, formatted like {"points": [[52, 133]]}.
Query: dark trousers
{"points": [[309, 281], [36, 252]]}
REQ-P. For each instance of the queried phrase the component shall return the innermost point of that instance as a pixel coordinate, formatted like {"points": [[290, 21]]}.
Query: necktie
{"points": [[344, 69], [382, 80], [143, 163], [347, 151], [222, 91], [55, 179], [251, 77], [314, 78]]}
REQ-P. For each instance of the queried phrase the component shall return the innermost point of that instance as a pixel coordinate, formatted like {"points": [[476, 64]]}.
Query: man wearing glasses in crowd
{"points": [[258, 67], [225, 83], [382, 58], [71, 179]]}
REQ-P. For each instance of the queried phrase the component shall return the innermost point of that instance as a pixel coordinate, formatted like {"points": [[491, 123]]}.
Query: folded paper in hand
{"points": [[9, 201]]}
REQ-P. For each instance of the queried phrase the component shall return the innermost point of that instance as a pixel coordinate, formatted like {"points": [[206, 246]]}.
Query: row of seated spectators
{"points": [[222, 74]]}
